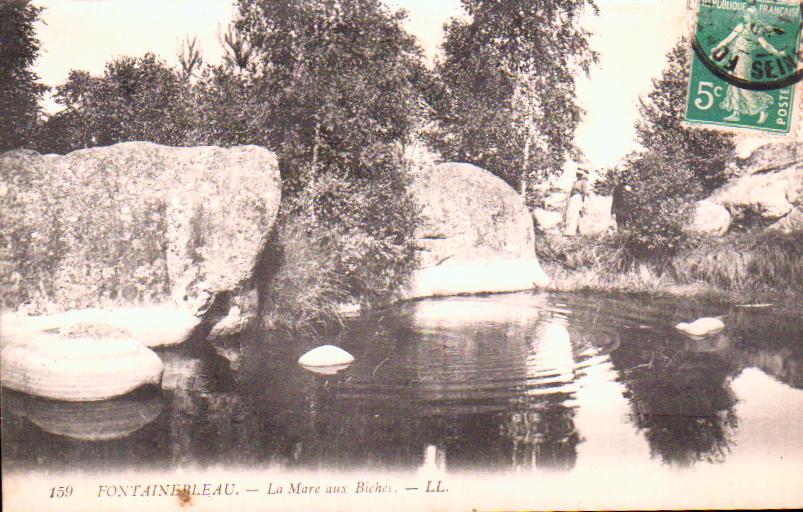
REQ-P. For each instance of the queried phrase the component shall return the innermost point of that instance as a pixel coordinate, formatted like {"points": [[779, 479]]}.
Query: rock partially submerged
{"points": [[326, 356], [80, 363], [488, 276], [701, 327], [477, 235]]}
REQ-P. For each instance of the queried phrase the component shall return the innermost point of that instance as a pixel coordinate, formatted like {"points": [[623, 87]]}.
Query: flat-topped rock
{"points": [[79, 364]]}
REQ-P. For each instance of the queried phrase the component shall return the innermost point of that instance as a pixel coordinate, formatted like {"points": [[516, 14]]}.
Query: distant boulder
{"points": [[596, 217], [709, 219], [769, 190], [790, 223], [135, 224], [546, 220], [477, 235], [773, 156]]}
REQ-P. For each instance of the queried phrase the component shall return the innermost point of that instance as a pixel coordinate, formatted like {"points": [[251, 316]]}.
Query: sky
{"points": [[632, 37]]}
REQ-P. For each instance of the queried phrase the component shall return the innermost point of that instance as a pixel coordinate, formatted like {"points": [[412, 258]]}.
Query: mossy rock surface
{"points": [[133, 224]]}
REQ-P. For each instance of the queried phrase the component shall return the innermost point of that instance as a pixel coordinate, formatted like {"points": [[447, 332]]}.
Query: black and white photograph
{"points": [[401, 255]]}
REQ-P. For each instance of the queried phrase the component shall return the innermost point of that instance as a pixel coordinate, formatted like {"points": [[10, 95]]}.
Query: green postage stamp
{"points": [[744, 68]]}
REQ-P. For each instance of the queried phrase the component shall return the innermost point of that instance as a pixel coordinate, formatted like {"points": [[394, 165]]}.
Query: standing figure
{"points": [[745, 39], [618, 208], [577, 196]]}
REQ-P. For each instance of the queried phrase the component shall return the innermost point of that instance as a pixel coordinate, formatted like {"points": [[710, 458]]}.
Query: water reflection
{"points": [[88, 421], [524, 382]]}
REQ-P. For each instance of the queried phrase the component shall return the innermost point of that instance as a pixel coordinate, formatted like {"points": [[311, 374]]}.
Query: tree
{"points": [[654, 190], [334, 79], [335, 90], [19, 90], [190, 57], [706, 153], [507, 99], [135, 99]]}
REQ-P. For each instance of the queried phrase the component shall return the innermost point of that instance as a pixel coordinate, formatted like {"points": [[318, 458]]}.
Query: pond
{"points": [[537, 383]]}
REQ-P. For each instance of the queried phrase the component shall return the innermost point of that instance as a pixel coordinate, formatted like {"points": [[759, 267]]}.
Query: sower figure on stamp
{"points": [[745, 39], [577, 197]]}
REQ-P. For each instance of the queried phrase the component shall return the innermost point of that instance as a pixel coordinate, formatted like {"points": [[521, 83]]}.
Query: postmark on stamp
{"points": [[744, 68]]}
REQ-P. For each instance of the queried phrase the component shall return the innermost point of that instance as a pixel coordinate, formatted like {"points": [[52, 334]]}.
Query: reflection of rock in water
{"points": [[769, 339], [542, 428], [88, 421], [783, 363], [542, 438]]}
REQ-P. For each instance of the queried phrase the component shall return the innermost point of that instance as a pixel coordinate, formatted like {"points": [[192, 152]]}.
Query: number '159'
{"points": [[61, 491]]}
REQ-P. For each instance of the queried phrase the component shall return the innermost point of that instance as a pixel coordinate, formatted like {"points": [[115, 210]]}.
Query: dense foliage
{"points": [[654, 190], [135, 99], [655, 206], [506, 99], [336, 94], [706, 153], [20, 91], [335, 80]]}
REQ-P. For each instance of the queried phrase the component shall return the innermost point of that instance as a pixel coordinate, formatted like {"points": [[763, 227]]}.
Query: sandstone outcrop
{"points": [[135, 225], [546, 220], [769, 189], [595, 217], [477, 235], [709, 219]]}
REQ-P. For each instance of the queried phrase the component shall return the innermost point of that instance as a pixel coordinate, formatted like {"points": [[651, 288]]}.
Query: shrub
{"points": [[341, 240], [653, 207]]}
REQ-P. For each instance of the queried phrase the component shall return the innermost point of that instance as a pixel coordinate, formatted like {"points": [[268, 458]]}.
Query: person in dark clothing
{"points": [[618, 208]]}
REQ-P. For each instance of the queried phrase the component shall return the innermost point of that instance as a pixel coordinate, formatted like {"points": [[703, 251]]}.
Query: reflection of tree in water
{"points": [[682, 401]]}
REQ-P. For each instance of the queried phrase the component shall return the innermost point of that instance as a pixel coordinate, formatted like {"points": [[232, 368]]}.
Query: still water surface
{"points": [[506, 383]]}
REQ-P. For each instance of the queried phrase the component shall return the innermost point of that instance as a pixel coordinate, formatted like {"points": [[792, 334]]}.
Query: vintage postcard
{"points": [[357, 255]]}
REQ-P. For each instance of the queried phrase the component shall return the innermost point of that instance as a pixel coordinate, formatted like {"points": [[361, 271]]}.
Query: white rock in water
{"points": [[701, 327], [326, 355]]}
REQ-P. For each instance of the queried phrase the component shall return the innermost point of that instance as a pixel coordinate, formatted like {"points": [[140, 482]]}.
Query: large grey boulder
{"points": [[709, 219], [769, 190], [135, 225], [477, 234]]}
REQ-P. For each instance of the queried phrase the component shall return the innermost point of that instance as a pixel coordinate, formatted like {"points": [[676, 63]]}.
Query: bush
{"points": [[653, 205], [341, 241]]}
